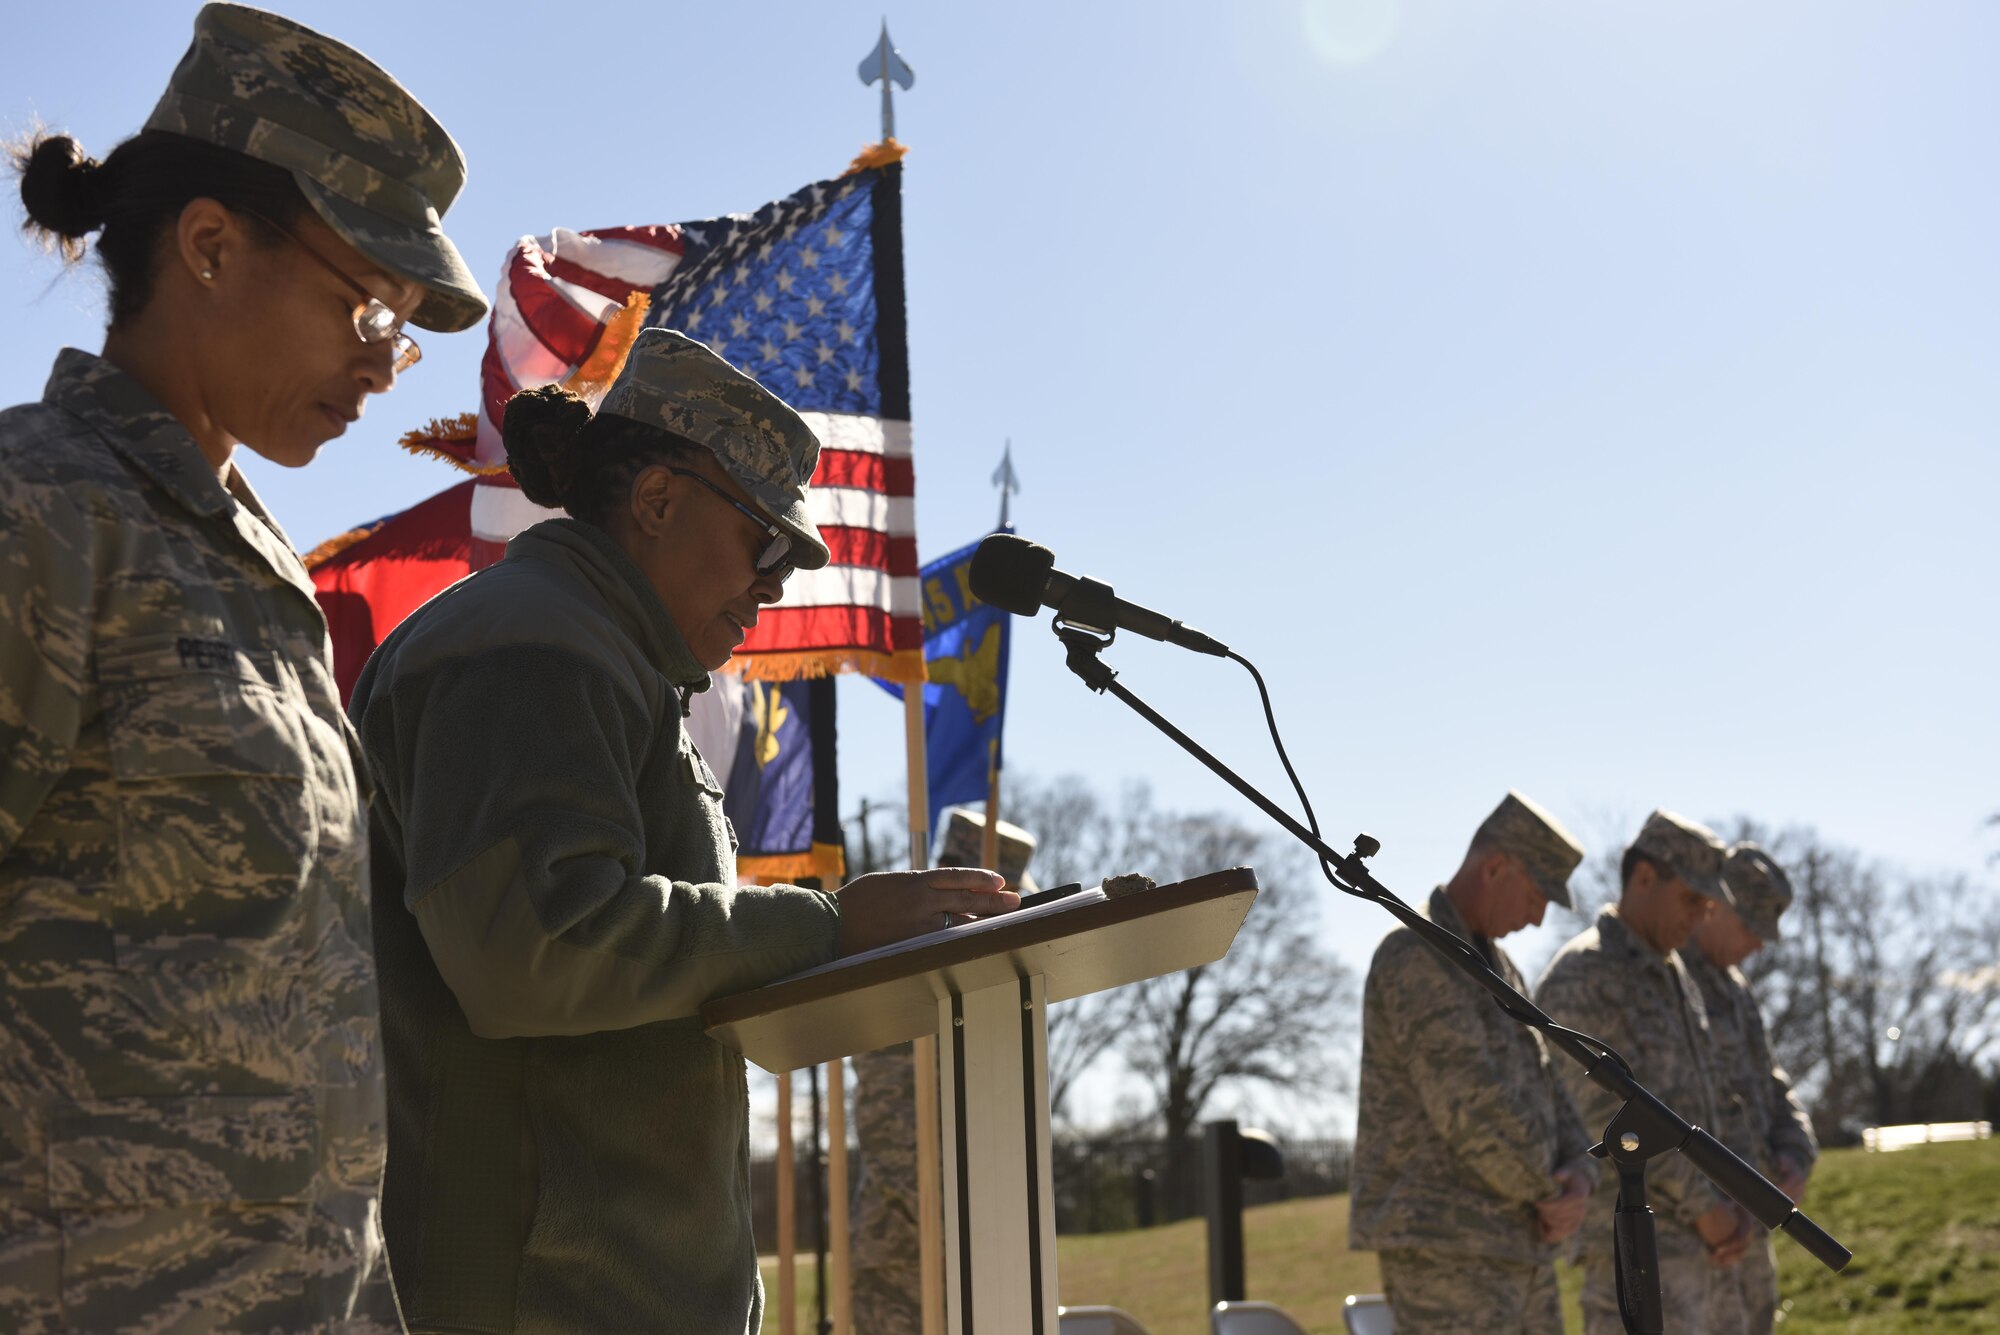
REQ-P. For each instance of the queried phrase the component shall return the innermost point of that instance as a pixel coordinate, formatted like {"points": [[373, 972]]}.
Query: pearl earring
{"points": [[208, 275]]}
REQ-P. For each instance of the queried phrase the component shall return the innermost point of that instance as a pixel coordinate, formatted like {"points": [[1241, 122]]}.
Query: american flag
{"points": [[806, 295]]}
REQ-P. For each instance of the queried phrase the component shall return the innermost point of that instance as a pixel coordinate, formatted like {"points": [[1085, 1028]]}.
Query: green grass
{"points": [[1924, 1224]]}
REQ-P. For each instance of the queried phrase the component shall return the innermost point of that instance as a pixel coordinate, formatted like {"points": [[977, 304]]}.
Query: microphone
{"points": [[1019, 576]]}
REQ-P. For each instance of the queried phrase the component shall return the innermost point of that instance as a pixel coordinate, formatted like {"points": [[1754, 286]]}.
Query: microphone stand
{"points": [[1643, 1128]]}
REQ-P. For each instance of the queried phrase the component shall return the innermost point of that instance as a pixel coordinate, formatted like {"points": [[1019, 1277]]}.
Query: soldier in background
{"points": [[888, 1279], [191, 1089], [1621, 981], [1469, 1161], [1760, 1119]]}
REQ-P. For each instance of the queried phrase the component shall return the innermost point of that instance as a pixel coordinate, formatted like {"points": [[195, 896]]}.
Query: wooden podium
{"points": [[984, 989]]}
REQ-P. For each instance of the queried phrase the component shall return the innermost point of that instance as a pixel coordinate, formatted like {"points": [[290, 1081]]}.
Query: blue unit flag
{"points": [[965, 700]]}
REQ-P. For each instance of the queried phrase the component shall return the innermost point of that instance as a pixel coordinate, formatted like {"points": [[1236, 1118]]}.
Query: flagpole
{"points": [[930, 1162], [989, 838], [788, 1213], [1008, 482], [842, 1279]]}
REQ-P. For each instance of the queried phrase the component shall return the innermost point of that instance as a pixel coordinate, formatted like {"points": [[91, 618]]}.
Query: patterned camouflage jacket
{"points": [[1463, 1122], [1613, 986], [555, 898], [185, 973], [1759, 1116]]}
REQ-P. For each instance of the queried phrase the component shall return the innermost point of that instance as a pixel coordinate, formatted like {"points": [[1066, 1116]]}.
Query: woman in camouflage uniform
{"points": [[191, 1104]]}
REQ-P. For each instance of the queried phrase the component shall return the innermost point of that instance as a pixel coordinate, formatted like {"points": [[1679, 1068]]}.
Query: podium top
{"points": [[889, 997]]}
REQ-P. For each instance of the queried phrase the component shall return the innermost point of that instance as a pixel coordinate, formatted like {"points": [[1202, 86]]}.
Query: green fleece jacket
{"points": [[554, 897]]}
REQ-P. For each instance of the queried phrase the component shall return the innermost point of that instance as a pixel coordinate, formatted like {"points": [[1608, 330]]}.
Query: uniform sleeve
{"points": [[1471, 1091], [1790, 1134], [515, 775], [47, 593], [1573, 1138], [1575, 997]]}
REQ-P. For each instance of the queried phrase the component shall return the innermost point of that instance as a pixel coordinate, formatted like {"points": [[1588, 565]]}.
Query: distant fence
{"points": [[764, 1201], [1923, 1133], [1102, 1186]]}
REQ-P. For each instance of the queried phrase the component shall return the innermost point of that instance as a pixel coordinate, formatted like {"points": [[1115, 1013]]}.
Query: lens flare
{"points": [[1349, 32]]}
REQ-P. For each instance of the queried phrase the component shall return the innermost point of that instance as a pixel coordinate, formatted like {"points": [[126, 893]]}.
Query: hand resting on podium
{"points": [[889, 906]]}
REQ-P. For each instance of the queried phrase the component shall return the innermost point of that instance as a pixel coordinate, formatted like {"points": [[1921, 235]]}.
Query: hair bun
{"points": [[60, 186], [542, 429]]}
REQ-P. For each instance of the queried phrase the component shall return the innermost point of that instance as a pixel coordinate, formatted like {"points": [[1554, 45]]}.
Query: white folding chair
{"points": [[1252, 1319], [1367, 1314], [1097, 1321]]}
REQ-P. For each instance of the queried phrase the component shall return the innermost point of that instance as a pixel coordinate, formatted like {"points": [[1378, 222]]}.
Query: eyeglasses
{"points": [[374, 322], [778, 545]]}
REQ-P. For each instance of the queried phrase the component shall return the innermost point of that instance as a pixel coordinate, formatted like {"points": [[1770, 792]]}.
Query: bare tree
{"points": [[1882, 997], [1275, 1011], [1078, 838]]}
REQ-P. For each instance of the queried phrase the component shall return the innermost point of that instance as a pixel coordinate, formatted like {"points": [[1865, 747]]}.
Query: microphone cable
{"points": [[1440, 939]]}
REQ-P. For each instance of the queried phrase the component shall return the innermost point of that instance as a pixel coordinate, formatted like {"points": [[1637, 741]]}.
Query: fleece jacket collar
{"points": [[597, 557]]}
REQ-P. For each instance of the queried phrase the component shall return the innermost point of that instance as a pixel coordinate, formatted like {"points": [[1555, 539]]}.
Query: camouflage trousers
{"points": [[1695, 1297], [1452, 1293], [215, 1269], [1747, 1296], [887, 1279]]}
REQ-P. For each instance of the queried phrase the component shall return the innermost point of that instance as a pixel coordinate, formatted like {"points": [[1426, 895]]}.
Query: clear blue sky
{"points": [[1599, 400]]}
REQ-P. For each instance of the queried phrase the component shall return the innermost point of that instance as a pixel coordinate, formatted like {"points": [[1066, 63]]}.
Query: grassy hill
{"points": [[1924, 1225]]}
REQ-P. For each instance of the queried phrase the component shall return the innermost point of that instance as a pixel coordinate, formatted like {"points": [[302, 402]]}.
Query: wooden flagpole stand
{"points": [[989, 838], [788, 1214], [840, 1310], [930, 1161]]}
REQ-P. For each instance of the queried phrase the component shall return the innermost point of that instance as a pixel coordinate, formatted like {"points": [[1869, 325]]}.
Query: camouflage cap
{"points": [[678, 385], [1688, 849], [1549, 852], [1760, 887], [375, 166]]}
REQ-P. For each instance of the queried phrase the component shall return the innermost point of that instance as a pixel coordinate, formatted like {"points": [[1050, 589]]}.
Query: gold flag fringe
{"points": [[614, 343], [905, 666], [335, 545], [432, 437], [877, 155], [826, 861]]}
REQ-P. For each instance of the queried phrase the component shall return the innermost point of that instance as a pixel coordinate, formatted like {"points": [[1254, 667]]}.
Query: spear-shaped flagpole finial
{"points": [[1006, 479], [885, 64]]}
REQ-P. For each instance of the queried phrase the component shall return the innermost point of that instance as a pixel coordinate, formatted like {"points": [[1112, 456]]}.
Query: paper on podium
{"points": [[1086, 942], [959, 931]]}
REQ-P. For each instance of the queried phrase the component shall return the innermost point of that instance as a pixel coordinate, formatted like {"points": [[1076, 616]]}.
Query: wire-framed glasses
{"points": [[374, 322]]}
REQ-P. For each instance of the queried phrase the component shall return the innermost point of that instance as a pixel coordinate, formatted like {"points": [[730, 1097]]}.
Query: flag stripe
{"points": [[851, 507], [549, 310], [498, 513], [865, 435], [496, 386], [604, 285], [888, 473], [629, 242], [871, 547], [840, 586], [784, 629], [619, 254], [521, 355]]}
